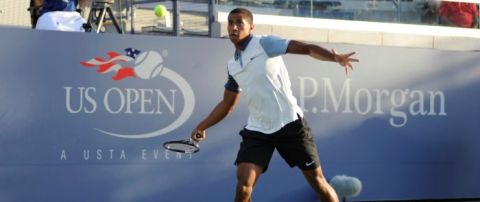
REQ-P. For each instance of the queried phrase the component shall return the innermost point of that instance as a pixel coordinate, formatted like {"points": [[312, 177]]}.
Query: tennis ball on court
{"points": [[160, 10]]}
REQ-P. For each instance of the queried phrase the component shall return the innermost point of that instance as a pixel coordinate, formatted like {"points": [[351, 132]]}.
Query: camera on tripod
{"points": [[96, 18]]}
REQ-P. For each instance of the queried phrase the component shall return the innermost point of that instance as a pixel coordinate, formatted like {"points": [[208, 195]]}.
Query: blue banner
{"points": [[83, 117]]}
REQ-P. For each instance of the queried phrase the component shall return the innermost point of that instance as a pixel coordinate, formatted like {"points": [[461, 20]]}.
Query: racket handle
{"points": [[197, 135]]}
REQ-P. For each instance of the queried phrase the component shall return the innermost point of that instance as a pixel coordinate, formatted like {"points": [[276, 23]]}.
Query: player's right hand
{"points": [[198, 135]]}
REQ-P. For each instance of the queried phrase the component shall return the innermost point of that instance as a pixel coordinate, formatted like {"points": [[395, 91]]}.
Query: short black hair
{"points": [[245, 12]]}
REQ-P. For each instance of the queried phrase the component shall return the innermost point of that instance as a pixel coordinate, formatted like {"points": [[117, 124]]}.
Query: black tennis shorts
{"points": [[294, 142]]}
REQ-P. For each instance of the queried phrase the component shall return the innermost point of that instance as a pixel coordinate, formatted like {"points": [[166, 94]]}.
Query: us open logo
{"points": [[137, 66]]}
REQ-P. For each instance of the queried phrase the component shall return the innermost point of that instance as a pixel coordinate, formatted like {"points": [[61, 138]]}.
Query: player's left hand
{"points": [[344, 60]]}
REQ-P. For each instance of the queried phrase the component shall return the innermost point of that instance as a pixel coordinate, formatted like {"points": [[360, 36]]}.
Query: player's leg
{"points": [[252, 160], [247, 176], [296, 145], [320, 185]]}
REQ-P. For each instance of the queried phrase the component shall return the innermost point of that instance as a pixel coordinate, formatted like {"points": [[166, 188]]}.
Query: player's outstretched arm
{"points": [[222, 110], [318, 52]]}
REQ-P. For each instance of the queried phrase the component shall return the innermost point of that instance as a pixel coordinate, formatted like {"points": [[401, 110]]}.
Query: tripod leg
{"points": [[100, 19], [88, 25], [115, 23]]}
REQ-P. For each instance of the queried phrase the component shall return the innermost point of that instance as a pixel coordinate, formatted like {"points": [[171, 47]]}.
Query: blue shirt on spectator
{"points": [[58, 5]]}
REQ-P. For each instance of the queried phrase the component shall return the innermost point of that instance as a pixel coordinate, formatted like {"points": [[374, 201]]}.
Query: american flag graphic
{"points": [[114, 63]]}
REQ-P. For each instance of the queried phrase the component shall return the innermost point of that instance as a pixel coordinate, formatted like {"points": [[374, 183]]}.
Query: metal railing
{"points": [[175, 7]]}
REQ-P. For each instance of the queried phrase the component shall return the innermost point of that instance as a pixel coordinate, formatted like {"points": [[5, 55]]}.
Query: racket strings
{"points": [[181, 147]]}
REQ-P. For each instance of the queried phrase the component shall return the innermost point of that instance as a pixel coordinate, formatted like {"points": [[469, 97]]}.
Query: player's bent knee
{"points": [[244, 193], [244, 186]]}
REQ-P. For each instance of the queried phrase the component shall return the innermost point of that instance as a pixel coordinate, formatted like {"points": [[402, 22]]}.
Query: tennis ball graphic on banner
{"points": [[148, 65], [160, 10]]}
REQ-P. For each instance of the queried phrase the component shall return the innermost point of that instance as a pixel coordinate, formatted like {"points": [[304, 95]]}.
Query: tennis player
{"points": [[275, 120]]}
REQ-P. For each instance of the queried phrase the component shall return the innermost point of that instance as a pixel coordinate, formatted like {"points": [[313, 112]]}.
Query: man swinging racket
{"points": [[275, 120]]}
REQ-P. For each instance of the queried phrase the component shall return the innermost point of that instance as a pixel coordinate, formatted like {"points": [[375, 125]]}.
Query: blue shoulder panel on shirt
{"points": [[274, 45], [232, 84]]}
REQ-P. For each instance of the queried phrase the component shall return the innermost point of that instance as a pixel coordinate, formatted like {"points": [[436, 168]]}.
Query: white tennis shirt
{"points": [[261, 75]]}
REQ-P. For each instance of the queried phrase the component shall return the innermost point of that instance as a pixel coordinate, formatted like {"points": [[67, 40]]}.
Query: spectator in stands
{"points": [[430, 11], [458, 14], [43, 6], [59, 15]]}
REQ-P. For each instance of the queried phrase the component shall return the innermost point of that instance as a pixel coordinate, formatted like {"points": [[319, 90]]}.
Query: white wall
{"points": [[14, 12], [358, 32]]}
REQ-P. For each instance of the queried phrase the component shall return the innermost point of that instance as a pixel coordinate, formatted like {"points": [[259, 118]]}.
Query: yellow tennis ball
{"points": [[160, 10]]}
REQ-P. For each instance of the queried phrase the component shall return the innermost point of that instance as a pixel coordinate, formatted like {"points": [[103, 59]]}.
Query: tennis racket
{"points": [[188, 146]]}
